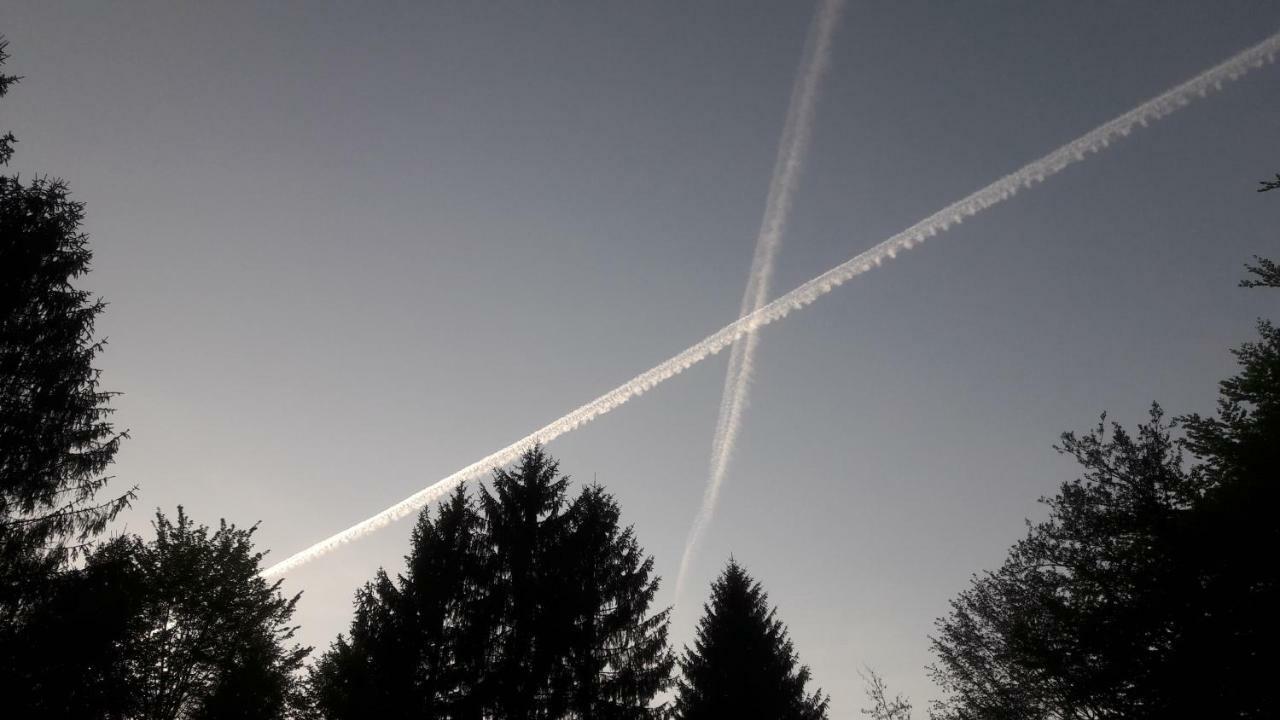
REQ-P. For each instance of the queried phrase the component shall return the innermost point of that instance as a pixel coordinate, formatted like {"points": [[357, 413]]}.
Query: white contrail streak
{"points": [[787, 169], [997, 192]]}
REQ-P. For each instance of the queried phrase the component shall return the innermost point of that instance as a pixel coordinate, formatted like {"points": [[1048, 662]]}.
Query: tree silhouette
{"points": [[528, 529], [1266, 274], [521, 605], [618, 655], [208, 637], [742, 663], [882, 706], [1148, 592], [55, 438], [419, 645], [181, 626], [1234, 532], [70, 661]]}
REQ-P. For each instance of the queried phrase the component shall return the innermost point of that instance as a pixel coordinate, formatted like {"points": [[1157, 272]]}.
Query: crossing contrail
{"points": [[1073, 152], [792, 150]]}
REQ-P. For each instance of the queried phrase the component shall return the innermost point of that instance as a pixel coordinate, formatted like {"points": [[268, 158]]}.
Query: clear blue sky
{"points": [[350, 249]]}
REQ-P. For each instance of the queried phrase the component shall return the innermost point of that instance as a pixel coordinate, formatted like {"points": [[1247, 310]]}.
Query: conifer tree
{"points": [[528, 528], [418, 645], [618, 654], [56, 440], [449, 591], [522, 605], [742, 663]]}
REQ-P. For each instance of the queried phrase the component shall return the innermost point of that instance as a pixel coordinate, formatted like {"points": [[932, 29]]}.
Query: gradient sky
{"points": [[349, 250]]}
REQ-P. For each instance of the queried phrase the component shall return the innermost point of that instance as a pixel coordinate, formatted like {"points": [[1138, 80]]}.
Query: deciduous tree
{"points": [[1149, 591]]}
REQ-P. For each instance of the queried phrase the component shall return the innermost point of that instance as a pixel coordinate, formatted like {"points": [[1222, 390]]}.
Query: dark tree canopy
{"points": [[528, 529], [1234, 535], [210, 637], [618, 658], [1150, 590], [521, 605], [742, 663], [182, 626], [55, 437], [420, 645], [56, 443]]}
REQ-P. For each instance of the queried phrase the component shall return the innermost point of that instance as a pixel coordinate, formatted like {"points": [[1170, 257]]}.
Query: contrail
{"points": [[792, 150], [1073, 152]]}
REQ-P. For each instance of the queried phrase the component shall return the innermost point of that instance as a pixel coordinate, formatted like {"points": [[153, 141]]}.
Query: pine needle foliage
{"points": [[522, 603], [742, 663]]}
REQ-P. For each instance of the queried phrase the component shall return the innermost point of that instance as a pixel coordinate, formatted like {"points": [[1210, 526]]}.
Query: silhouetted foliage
{"points": [[209, 635], [1150, 590], [55, 440], [618, 657], [1269, 184], [70, 658], [529, 529], [882, 706], [1234, 535], [182, 626], [7, 140], [742, 663], [1266, 272], [523, 605], [420, 645]]}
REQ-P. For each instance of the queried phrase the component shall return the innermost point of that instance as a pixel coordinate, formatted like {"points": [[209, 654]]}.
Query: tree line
{"points": [[1148, 592]]}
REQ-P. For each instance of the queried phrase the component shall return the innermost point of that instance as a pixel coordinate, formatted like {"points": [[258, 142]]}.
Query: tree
{"points": [[182, 626], [1147, 592], [618, 655], [56, 440], [1234, 532], [528, 530], [520, 605], [208, 636], [70, 661], [742, 663], [419, 645], [55, 436], [882, 706]]}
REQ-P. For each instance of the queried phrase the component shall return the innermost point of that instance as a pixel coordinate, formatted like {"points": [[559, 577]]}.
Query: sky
{"points": [[351, 249]]}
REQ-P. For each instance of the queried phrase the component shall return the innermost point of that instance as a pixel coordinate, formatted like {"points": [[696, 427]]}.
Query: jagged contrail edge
{"points": [[792, 151], [999, 191]]}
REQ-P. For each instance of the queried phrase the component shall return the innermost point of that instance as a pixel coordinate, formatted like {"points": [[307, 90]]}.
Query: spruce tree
{"points": [[528, 527], [56, 440], [418, 646], [523, 605], [448, 591], [618, 657], [742, 663]]}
